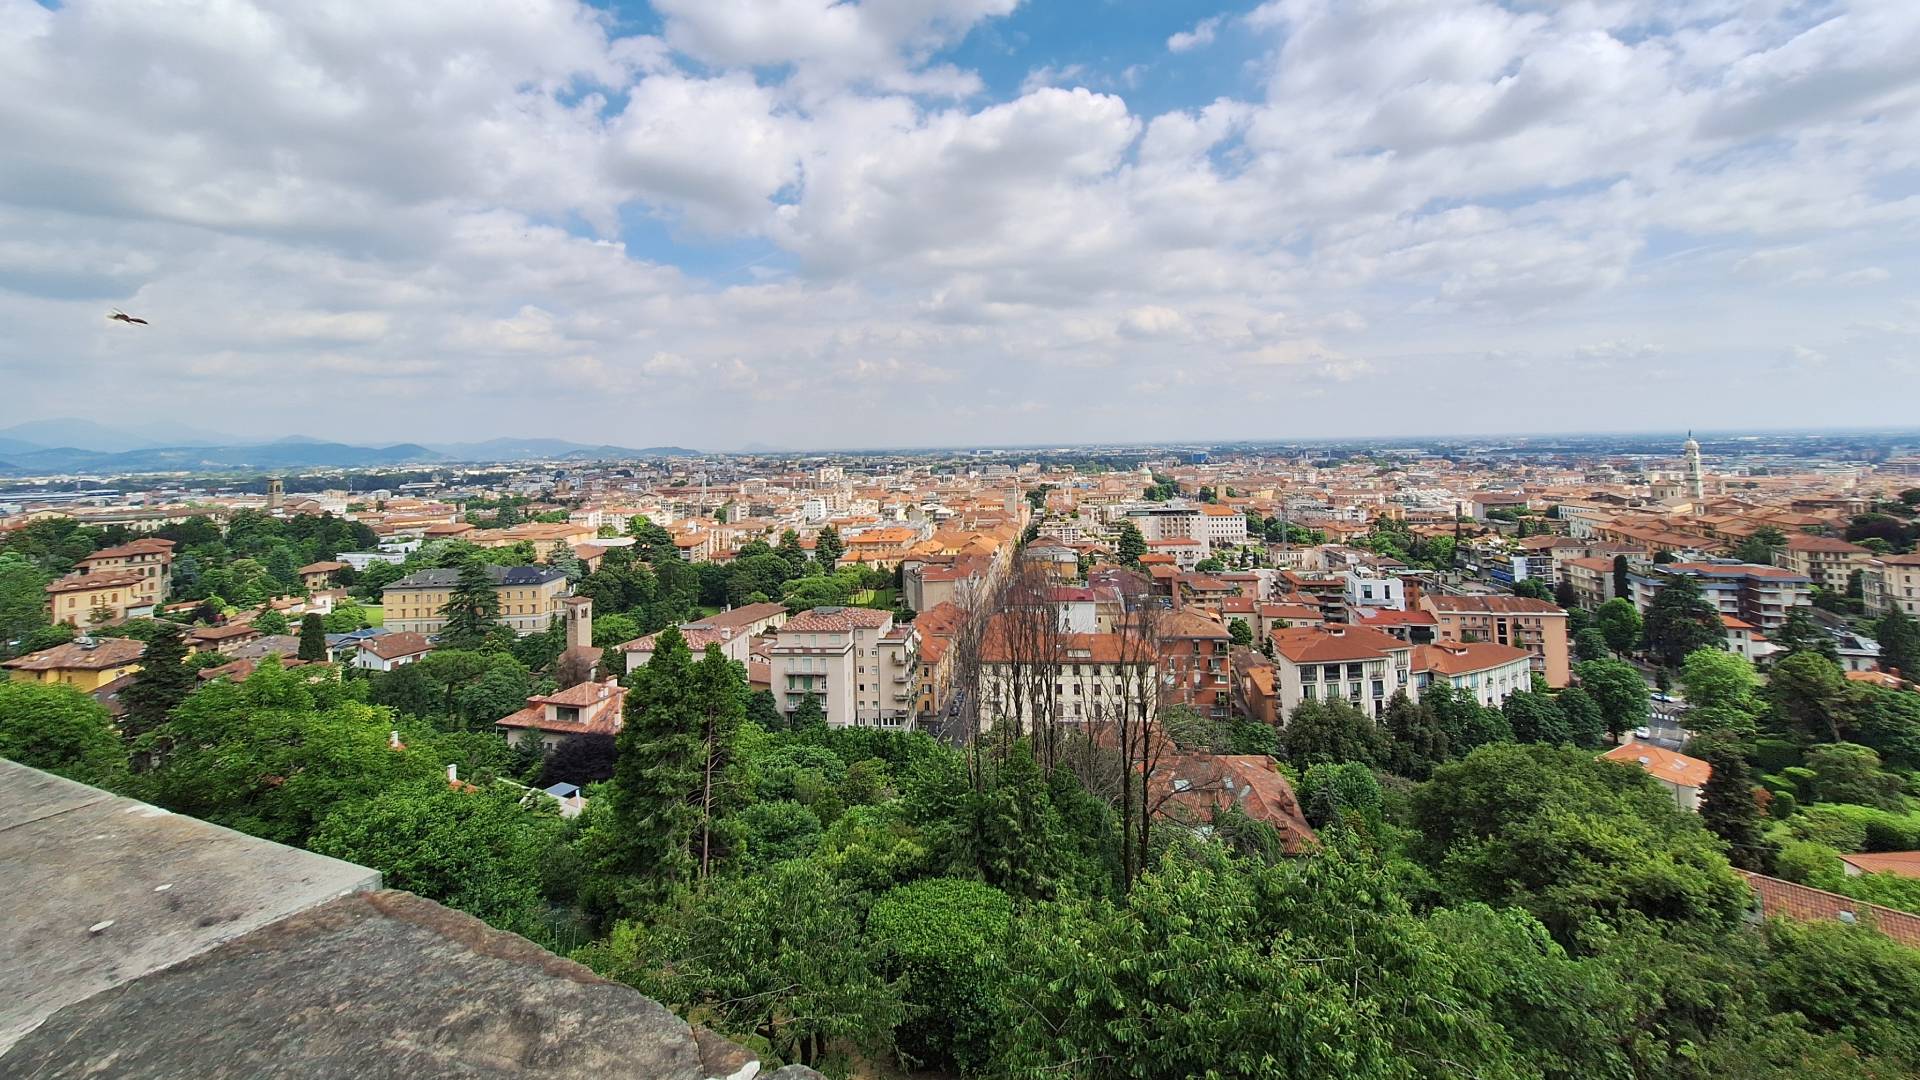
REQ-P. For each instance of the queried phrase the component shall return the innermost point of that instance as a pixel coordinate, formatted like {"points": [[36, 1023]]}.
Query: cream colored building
{"points": [[151, 558], [1893, 581], [104, 598], [86, 664], [863, 669], [1824, 560], [530, 598]]}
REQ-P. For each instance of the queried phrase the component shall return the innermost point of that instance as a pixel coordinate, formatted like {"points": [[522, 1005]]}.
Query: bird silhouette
{"points": [[121, 316]]}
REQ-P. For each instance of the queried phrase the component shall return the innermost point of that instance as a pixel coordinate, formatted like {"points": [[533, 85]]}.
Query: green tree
{"points": [[1619, 623], [1331, 731], [1899, 642], [270, 622], [1240, 632], [942, 939], [478, 851], [1347, 793], [1799, 633], [60, 730], [809, 715], [1564, 596], [1762, 546], [1533, 589], [1617, 688], [313, 638], [718, 703], [657, 775], [1720, 690], [1585, 722], [163, 682], [23, 601], [1575, 841], [1680, 621], [1590, 643], [777, 956], [1728, 808], [827, 548], [1851, 773], [1129, 545], [472, 609], [1809, 695], [1622, 580], [1535, 717], [1416, 743]]}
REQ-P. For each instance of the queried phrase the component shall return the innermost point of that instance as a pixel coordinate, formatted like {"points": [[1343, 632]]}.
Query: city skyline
{"points": [[960, 221]]}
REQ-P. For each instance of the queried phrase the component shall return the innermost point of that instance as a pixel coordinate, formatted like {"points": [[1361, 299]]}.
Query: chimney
{"points": [[393, 740], [453, 773]]}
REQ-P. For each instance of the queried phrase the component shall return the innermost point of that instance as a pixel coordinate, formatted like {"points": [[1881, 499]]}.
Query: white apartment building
{"points": [[1369, 592], [1893, 581], [862, 668], [1094, 678], [1485, 671], [1366, 667]]}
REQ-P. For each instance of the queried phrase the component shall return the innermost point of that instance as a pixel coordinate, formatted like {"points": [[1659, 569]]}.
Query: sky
{"points": [[799, 223]]}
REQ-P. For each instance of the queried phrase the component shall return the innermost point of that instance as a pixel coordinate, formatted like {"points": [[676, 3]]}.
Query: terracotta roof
{"points": [[1786, 900], [601, 708], [396, 645], [1463, 658], [830, 620], [1190, 624], [1392, 617], [1189, 787], [324, 566], [744, 615], [1734, 570], [73, 656], [148, 546], [1809, 542], [1903, 863], [1663, 764], [697, 637], [1321, 645], [1501, 604], [229, 632], [104, 580]]}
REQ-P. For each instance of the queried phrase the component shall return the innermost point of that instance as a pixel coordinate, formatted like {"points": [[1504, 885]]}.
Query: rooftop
{"points": [[1662, 764], [96, 654]]}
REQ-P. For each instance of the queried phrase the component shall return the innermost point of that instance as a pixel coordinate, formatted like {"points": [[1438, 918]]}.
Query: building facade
{"points": [[1523, 622], [864, 670], [530, 598]]}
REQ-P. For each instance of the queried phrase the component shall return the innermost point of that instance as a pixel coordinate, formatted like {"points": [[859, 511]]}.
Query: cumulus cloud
{"points": [[781, 220]]}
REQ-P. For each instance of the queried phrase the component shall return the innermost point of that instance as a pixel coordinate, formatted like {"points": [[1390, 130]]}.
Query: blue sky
{"points": [[810, 223]]}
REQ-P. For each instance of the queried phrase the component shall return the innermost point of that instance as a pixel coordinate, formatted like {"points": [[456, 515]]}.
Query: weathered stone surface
{"points": [[722, 1058], [367, 987], [158, 887]]}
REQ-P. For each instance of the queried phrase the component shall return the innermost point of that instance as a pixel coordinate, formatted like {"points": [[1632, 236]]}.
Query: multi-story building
{"points": [[1193, 663], [1482, 670], [1893, 581], [1826, 561], [85, 664], [1092, 678], [1222, 526], [864, 670], [101, 598], [530, 598], [1591, 579], [1762, 596], [150, 557], [1354, 664], [1534, 625]]}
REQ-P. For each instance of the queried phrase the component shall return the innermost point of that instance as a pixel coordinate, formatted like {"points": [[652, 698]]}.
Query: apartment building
{"points": [[1193, 663], [1761, 596], [1534, 625], [101, 598], [1482, 670], [1826, 561], [530, 598], [1354, 664], [151, 558], [1092, 677], [863, 669], [1893, 581], [1591, 579]]}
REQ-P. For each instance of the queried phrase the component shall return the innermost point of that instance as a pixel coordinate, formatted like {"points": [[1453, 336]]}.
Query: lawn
{"points": [[874, 598], [374, 614]]}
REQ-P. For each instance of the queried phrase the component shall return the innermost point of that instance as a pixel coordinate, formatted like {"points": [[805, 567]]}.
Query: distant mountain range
{"points": [[73, 445]]}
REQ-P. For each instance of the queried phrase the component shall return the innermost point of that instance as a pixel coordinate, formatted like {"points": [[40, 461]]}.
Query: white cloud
{"points": [[1200, 36]]}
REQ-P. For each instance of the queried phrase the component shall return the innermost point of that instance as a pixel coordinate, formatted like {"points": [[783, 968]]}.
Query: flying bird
{"points": [[122, 316]]}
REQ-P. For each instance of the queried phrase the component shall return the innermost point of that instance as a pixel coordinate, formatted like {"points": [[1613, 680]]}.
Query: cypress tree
{"points": [[313, 638], [1728, 809], [657, 771]]}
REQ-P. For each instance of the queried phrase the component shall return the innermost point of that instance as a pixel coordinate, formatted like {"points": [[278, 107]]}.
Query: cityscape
{"points": [[952, 539]]}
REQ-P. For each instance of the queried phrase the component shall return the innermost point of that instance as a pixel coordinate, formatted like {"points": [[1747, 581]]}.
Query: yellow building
{"points": [[530, 598], [151, 558], [85, 664], [101, 598]]}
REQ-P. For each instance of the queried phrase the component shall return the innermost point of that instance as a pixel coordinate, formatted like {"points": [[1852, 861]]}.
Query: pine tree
{"points": [[313, 637], [828, 547], [1129, 545], [719, 706], [1799, 633], [1679, 621], [1899, 643], [657, 772], [164, 680], [1728, 809], [472, 608], [791, 551]]}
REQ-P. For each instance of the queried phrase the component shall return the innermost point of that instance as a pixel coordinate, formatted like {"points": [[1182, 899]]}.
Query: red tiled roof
{"points": [[830, 620], [1319, 644], [103, 580], [396, 645], [1662, 764], [1902, 863], [1462, 658], [73, 656], [149, 546], [1189, 787], [1501, 604], [1786, 900]]}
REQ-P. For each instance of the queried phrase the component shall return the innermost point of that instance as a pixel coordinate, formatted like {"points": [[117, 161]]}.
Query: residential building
{"points": [[1367, 592], [391, 650], [590, 708], [530, 598], [1534, 625], [1482, 670], [84, 663], [1221, 527], [1826, 561], [320, 575], [1340, 663], [1786, 900], [1893, 581], [1193, 663], [1682, 776], [1190, 789], [1091, 678], [1591, 579], [221, 638], [733, 630], [864, 670], [102, 598], [149, 557], [1759, 595]]}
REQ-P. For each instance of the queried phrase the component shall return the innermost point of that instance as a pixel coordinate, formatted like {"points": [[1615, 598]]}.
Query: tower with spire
{"points": [[1696, 483]]}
